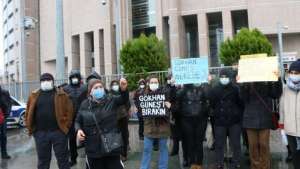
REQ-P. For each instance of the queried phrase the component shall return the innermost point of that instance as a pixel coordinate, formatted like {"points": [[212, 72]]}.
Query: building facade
{"points": [[195, 28], [21, 43]]}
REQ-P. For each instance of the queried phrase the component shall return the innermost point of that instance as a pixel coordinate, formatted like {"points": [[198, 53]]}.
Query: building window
{"points": [[239, 20], [9, 1], [143, 17], [191, 36], [11, 46], [16, 10], [11, 30], [10, 15], [215, 28]]}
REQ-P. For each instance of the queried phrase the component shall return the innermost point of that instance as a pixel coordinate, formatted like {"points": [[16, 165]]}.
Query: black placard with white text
{"points": [[153, 105]]}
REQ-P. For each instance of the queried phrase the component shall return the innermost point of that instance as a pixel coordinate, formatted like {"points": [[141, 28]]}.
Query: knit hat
{"points": [[295, 66], [46, 76], [225, 72], [91, 84]]}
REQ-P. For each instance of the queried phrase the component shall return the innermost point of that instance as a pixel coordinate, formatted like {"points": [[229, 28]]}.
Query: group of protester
{"points": [[57, 116]]}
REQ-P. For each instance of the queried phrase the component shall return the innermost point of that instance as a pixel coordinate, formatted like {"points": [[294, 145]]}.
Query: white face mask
{"points": [[153, 86], [46, 85], [115, 88], [75, 81], [224, 81], [295, 78], [142, 86]]}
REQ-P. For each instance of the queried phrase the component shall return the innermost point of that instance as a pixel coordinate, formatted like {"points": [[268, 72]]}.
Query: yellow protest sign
{"points": [[261, 69], [259, 55]]}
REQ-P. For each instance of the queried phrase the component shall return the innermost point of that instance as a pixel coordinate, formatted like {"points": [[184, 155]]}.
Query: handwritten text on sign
{"points": [[153, 105], [190, 71]]}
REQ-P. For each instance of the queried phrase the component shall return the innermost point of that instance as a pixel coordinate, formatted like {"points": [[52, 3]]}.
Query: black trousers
{"points": [[3, 138], [123, 126], [141, 126], [111, 162], [193, 130], [295, 153], [72, 144], [44, 141]]}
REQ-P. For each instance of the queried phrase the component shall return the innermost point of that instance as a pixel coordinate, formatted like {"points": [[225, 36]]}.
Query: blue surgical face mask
{"points": [[98, 93], [295, 78]]}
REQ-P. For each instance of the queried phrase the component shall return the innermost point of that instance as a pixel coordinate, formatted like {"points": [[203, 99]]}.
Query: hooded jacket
{"points": [[75, 92]]}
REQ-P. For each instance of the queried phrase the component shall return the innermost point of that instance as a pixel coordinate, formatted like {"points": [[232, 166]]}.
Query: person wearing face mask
{"points": [[74, 89], [140, 91], [192, 106], [227, 108], [258, 98], [290, 111], [48, 118], [123, 118], [170, 89], [98, 114], [156, 128]]}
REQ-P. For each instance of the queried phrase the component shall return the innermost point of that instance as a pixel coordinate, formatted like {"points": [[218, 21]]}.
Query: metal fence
{"points": [[21, 91]]}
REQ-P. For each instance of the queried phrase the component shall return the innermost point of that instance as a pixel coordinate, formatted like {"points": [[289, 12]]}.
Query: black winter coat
{"points": [[192, 102], [76, 95], [226, 104], [5, 102], [258, 113], [106, 116]]}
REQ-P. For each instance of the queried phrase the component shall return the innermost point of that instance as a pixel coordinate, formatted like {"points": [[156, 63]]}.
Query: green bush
{"points": [[246, 42], [142, 55]]}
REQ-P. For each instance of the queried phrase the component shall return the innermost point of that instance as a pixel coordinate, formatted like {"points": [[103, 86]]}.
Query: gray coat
{"points": [[258, 115]]}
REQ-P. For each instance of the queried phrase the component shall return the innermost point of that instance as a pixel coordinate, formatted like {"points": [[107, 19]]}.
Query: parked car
{"points": [[17, 114]]}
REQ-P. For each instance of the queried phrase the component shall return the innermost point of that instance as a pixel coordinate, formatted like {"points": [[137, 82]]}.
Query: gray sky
{"points": [[1, 41]]}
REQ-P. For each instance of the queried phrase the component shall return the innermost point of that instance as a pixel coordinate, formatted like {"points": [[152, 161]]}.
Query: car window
{"points": [[14, 103]]}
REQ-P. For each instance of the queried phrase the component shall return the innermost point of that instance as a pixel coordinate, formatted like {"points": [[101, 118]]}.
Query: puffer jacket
{"points": [[157, 127], [258, 115], [5, 102], [290, 111], [106, 116], [226, 104]]}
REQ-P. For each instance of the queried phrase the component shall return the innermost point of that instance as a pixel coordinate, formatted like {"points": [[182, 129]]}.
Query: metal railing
{"points": [[21, 91]]}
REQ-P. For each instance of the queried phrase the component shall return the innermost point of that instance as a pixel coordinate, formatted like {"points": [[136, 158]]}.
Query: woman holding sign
{"points": [[156, 123], [290, 112], [257, 119]]}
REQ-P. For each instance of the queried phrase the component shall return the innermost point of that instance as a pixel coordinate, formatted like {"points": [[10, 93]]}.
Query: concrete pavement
{"points": [[22, 149]]}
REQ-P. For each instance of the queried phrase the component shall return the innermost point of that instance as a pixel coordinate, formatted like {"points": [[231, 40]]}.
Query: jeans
{"points": [[259, 148], [45, 140], [3, 138], [163, 153], [234, 140], [295, 153]]}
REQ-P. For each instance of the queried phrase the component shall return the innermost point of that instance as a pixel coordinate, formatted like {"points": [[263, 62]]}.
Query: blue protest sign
{"points": [[190, 71]]}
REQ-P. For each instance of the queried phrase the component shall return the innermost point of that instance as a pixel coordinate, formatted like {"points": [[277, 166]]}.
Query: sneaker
{"points": [[6, 157]]}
